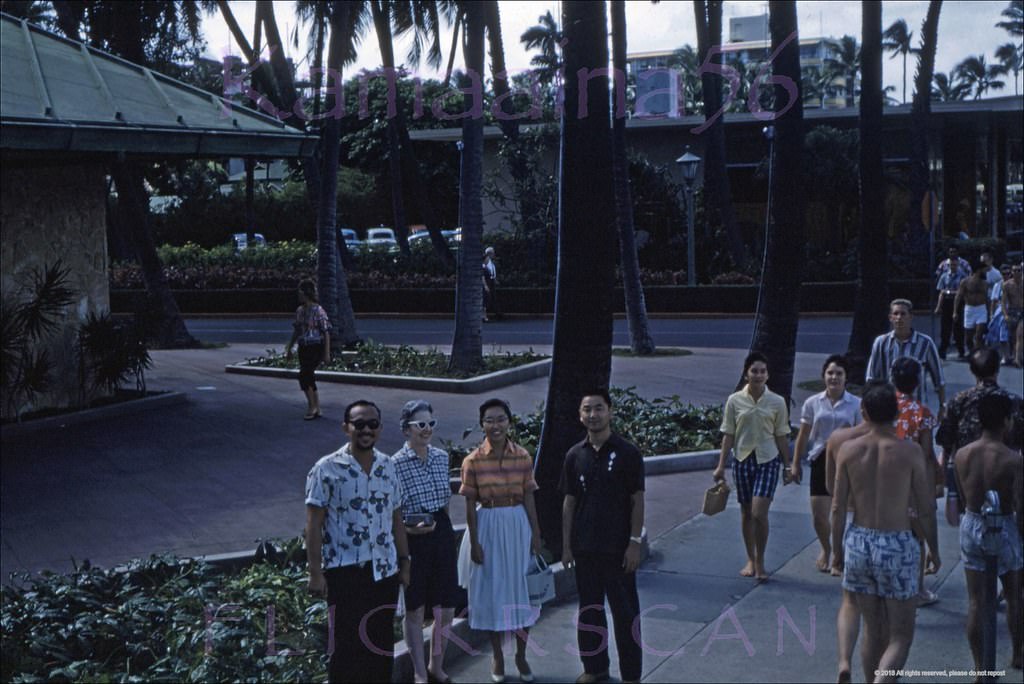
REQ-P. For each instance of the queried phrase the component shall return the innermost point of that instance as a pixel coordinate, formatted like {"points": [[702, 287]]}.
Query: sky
{"points": [[965, 28]]}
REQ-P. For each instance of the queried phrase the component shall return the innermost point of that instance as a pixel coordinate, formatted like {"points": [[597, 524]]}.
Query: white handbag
{"points": [[540, 581]]}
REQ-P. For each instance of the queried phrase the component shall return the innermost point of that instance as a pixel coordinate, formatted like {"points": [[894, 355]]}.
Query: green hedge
{"points": [[164, 619]]}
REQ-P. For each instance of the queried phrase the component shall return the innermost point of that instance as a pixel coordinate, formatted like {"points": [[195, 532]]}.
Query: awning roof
{"points": [[60, 95]]}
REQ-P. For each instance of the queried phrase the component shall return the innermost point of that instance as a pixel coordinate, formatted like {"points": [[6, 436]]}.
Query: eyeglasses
{"points": [[500, 420], [422, 424], [372, 424]]}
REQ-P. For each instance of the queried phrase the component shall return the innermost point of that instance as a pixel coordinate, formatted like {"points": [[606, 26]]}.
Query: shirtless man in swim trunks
{"points": [[848, 617], [980, 466], [1013, 310], [973, 292], [879, 556]]}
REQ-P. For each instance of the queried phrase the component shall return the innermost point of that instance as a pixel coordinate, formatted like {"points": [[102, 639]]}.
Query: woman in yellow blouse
{"points": [[501, 534], [755, 426]]}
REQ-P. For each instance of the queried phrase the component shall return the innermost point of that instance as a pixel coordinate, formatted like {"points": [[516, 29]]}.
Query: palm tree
{"points": [[640, 339], [467, 343], [1011, 55], [920, 113], [778, 309], [718, 208], [1014, 14], [845, 64], [381, 12], [149, 34], [898, 41], [684, 61], [331, 280], [548, 38], [949, 87], [869, 316], [581, 357], [979, 76]]}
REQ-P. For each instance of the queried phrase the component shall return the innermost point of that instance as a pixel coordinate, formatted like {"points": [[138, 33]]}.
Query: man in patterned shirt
{"points": [[357, 548], [962, 422]]}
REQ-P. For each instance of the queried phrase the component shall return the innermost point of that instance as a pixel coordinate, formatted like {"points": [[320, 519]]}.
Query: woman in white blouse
{"points": [[823, 414]]}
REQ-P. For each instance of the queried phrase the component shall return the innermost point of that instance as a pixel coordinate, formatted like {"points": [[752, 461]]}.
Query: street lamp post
{"points": [[689, 163]]}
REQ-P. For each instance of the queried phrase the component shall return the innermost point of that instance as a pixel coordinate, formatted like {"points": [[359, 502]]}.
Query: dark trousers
{"points": [[600, 576], [310, 356], [491, 298], [948, 328], [355, 597]]}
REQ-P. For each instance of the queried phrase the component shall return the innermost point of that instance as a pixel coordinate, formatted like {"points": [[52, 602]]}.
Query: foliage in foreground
{"points": [[164, 619], [372, 357]]}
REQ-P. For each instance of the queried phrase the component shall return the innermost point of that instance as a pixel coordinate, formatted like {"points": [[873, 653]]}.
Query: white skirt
{"points": [[499, 600]]}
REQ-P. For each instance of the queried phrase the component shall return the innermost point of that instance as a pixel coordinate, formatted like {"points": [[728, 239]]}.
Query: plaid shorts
{"points": [[755, 479]]}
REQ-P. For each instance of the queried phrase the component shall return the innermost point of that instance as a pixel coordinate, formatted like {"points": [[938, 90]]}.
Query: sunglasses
{"points": [[422, 424], [373, 424]]}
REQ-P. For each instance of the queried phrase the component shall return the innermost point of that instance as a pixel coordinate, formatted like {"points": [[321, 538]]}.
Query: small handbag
{"points": [[540, 582], [716, 498]]}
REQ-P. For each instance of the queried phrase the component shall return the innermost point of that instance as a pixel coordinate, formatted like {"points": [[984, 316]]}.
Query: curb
{"points": [[126, 408], [476, 385]]}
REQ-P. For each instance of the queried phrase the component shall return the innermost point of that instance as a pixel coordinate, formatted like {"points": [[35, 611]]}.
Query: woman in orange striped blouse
{"points": [[502, 533]]}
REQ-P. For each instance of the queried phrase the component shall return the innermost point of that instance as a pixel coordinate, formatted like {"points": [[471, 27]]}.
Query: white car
{"points": [[381, 240]]}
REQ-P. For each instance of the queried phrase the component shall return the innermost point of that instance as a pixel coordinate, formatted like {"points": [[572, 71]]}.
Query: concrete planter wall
{"points": [[666, 299]]}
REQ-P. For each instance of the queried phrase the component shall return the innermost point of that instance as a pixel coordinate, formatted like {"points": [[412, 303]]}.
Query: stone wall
{"points": [[51, 211]]}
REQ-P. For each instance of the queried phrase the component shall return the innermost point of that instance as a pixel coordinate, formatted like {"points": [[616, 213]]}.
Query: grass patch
{"points": [[659, 351], [120, 396], [372, 357]]}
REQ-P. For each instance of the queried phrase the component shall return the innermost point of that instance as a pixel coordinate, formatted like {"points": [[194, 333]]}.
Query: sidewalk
{"points": [[705, 623], [228, 467]]}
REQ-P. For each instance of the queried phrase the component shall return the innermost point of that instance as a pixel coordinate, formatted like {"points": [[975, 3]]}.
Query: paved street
{"points": [[819, 335]]}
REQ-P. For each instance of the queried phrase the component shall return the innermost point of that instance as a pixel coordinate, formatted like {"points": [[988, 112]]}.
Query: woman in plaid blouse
{"points": [[423, 472]]}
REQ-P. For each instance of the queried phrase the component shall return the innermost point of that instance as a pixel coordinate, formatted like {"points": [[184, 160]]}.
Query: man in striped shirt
{"points": [[905, 341]]}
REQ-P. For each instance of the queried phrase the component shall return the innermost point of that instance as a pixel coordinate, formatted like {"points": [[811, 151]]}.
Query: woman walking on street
{"points": [[423, 472], [823, 414], [501, 534], [755, 424], [312, 331]]}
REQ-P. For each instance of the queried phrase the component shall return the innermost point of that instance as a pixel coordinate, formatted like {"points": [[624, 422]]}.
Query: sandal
{"points": [[310, 416]]}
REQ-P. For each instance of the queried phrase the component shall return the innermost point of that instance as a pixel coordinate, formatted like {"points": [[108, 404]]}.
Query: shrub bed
{"points": [[657, 426], [165, 619], [371, 357]]}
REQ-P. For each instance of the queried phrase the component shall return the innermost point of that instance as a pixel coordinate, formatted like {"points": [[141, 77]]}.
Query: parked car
{"points": [[243, 241], [381, 239], [351, 239], [453, 237], [420, 236]]}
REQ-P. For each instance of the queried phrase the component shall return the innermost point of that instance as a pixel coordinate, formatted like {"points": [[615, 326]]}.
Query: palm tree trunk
{"points": [[413, 179], [920, 113], [331, 281], [640, 340], [778, 311], [870, 308], [719, 208], [382, 24], [169, 329], [523, 182], [467, 343], [586, 255]]}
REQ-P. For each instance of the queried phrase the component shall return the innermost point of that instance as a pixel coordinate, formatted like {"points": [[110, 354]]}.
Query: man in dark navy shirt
{"points": [[602, 527]]}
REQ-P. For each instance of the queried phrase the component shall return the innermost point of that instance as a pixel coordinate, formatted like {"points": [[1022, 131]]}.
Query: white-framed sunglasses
{"points": [[422, 424]]}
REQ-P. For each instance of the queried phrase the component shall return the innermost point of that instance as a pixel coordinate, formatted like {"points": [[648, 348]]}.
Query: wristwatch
{"points": [[638, 540]]}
